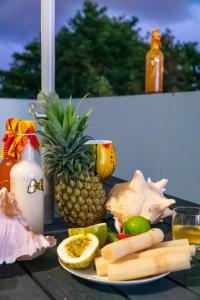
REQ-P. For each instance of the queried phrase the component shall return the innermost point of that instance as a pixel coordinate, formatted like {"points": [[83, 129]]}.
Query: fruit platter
{"points": [[126, 259]]}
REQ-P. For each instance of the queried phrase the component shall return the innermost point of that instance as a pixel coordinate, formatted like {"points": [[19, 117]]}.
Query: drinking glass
{"points": [[186, 224], [105, 157]]}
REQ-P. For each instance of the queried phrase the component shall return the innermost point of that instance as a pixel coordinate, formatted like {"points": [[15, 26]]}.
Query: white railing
{"points": [[158, 134]]}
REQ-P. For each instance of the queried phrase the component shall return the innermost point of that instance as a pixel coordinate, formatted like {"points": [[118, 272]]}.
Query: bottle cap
{"points": [[9, 136], [18, 132], [26, 126], [155, 36]]}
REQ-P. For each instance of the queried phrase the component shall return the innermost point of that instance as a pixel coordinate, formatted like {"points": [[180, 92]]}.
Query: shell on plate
{"points": [[139, 197], [16, 238]]}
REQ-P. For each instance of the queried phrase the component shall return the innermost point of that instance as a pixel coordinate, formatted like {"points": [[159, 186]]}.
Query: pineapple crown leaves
{"points": [[64, 139], [54, 104], [74, 125], [66, 122], [63, 162]]}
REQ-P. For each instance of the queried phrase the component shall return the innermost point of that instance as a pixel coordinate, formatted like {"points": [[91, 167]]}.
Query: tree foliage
{"points": [[182, 64], [23, 78], [104, 56]]}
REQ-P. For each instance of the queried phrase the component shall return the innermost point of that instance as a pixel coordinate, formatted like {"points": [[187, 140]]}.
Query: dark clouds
{"points": [[163, 11], [20, 19]]}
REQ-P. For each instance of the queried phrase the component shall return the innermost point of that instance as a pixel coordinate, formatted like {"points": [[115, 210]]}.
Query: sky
{"points": [[20, 19]]}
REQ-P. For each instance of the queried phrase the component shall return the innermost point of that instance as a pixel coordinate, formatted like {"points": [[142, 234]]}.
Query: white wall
{"points": [[158, 134], [12, 108]]}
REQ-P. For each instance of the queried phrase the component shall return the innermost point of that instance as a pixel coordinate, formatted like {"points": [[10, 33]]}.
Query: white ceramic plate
{"points": [[90, 274]]}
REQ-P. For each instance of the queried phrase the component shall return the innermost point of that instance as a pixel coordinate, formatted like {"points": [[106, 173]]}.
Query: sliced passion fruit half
{"points": [[100, 230], [78, 251]]}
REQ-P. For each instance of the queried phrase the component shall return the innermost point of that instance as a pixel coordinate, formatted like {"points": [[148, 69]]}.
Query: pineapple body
{"points": [[80, 200]]}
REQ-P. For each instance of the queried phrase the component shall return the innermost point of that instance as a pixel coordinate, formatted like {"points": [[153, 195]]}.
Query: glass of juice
{"points": [[186, 224]]}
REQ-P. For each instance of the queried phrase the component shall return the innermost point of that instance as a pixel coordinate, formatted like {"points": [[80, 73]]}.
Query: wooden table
{"points": [[44, 278]]}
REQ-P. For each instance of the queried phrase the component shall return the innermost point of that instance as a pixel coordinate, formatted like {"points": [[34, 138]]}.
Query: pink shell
{"points": [[16, 238]]}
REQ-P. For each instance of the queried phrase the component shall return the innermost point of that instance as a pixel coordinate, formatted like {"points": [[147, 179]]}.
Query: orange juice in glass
{"points": [[186, 224]]}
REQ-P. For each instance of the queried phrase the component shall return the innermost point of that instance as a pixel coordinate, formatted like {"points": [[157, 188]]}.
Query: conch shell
{"points": [[139, 197], [17, 241]]}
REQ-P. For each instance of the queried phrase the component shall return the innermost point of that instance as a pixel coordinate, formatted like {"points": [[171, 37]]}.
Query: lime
{"points": [[100, 230], [136, 225]]}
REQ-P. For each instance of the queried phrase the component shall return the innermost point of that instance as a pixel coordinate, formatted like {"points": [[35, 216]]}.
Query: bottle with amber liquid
{"points": [[154, 65]]}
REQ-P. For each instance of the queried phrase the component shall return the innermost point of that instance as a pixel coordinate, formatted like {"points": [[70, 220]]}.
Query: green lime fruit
{"points": [[78, 251], [100, 230], [136, 225]]}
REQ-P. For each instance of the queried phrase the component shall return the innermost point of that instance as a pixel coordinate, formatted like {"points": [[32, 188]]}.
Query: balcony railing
{"points": [[159, 134]]}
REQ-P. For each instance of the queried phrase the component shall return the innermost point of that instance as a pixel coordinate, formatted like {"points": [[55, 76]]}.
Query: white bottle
{"points": [[26, 183]]}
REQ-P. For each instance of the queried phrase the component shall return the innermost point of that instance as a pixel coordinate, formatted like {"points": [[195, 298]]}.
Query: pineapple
{"points": [[79, 193]]}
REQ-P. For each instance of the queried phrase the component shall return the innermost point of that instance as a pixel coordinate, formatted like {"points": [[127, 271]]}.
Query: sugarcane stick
{"points": [[142, 267], [101, 263], [165, 250], [139, 242], [161, 251], [172, 243], [101, 266]]}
